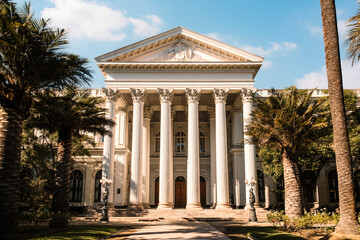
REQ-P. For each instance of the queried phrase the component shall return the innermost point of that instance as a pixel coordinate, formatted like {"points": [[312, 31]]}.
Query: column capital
{"points": [[235, 110], [148, 112], [137, 94], [173, 112], [193, 95], [248, 94], [122, 109], [220, 95], [166, 95], [110, 94], [211, 112]]}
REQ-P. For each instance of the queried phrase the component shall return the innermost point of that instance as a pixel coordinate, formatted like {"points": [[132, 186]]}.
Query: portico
{"points": [[188, 98]]}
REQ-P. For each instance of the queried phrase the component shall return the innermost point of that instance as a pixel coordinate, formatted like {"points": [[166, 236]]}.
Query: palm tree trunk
{"points": [[348, 223], [293, 192], [60, 202], [10, 146]]}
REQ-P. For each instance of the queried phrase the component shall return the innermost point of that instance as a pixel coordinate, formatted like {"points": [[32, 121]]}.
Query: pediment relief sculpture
{"points": [[180, 52]]}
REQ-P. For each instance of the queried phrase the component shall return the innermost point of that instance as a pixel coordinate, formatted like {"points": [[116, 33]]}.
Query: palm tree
{"points": [[67, 113], [30, 60], [286, 122], [348, 223], [353, 37]]}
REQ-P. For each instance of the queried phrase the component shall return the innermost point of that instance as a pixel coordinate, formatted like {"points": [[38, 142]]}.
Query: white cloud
{"points": [[351, 79], [284, 47], [92, 20], [213, 35], [267, 63]]}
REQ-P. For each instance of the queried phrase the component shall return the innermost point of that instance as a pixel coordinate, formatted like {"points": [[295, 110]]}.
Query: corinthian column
{"points": [[108, 150], [166, 181], [136, 172], [146, 157], [222, 175], [193, 162], [249, 149], [211, 113]]}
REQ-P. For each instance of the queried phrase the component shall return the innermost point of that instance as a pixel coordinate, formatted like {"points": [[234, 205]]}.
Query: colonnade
{"points": [[140, 156]]}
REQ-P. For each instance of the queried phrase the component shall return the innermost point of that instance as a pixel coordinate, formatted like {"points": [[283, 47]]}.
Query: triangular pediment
{"points": [[179, 45]]}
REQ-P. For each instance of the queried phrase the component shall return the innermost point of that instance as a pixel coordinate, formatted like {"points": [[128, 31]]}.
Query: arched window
{"points": [[202, 142], [357, 185], [97, 193], [76, 185], [180, 139], [261, 186], [333, 186], [157, 142]]}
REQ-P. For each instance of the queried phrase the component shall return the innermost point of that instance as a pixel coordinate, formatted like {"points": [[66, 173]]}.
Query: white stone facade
{"points": [[180, 101]]}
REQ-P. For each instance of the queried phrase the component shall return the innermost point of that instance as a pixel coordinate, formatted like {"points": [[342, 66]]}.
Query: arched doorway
{"points": [[156, 191], [180, 192], [202, 191]]}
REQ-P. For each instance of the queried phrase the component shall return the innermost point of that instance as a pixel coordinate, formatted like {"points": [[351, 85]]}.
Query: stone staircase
{"points": [[90, 214], [241, 215], [187, 215]]}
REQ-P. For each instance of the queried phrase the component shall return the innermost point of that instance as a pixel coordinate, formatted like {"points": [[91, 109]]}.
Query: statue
{"points": [[252, 197]]}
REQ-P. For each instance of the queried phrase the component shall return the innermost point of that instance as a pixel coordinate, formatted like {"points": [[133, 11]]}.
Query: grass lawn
{"points": [[268, 233], [86, 232]]}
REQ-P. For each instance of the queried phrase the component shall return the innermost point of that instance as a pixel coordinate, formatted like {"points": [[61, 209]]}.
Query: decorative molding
{"points": [[148, 112], [111, 94], [220, 95], [166, 95], [137, 94], [179, 52], [211, 112], [193, 95], [248, 94]]}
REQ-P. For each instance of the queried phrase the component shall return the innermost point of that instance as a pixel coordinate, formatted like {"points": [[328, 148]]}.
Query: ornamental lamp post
{"points": [[252, 211], [104, 199]]}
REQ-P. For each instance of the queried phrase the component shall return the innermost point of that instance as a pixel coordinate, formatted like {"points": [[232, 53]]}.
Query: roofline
{"points": [[172, 32]]}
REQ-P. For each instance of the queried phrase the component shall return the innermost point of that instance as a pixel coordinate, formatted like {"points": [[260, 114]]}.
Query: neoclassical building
{"points": [[180, 101]]}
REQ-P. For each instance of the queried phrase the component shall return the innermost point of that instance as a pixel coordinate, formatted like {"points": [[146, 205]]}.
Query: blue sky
{"points": [[287, 33]]}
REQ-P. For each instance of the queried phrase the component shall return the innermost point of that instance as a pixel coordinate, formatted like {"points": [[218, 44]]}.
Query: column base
{"points": [[164, 206], [193, 206], [222, 206], [135, 207], [146, 205]]}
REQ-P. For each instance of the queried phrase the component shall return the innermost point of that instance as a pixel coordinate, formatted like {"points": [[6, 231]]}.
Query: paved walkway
{"points": [[176, 230]]}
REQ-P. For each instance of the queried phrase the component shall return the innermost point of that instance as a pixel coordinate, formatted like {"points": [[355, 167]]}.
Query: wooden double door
{"points": [[180, 192]]}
